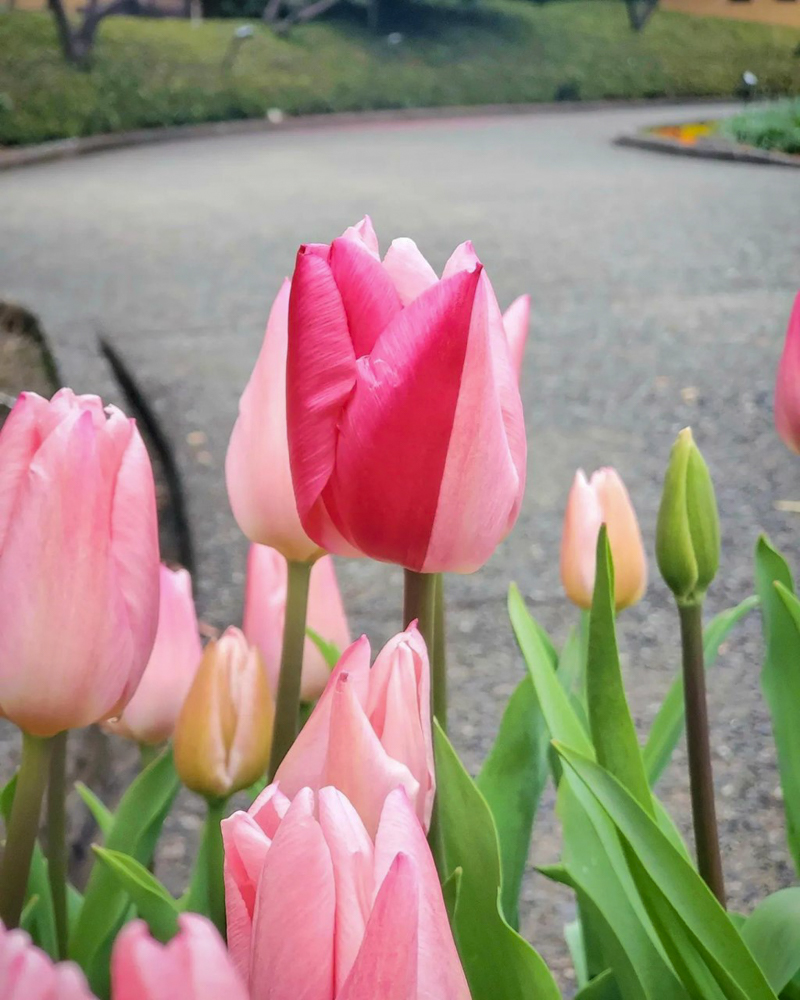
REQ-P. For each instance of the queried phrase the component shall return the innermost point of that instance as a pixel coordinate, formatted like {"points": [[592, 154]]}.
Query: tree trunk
{"points": [[640, 12], [64, 30]]}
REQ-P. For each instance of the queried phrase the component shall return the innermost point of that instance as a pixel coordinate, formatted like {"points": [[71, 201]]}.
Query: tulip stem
{"points": [[706, 836], [23, 827], [287, 707], [419, 602], [57, 838], [215, 859], [148, 753], [439, 657]]}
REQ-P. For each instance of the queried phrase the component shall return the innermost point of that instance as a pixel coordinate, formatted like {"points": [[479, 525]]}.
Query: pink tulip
{"points": [[193, 966], [78, 562], [319, 909], [265, 611], [406, 433], [787, 388], [150, 715], [601, 500], [28, 974], [257, 464], [370, 731]]}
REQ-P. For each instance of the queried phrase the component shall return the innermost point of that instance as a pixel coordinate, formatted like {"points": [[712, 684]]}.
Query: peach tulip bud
{"points": [[318, 908], [370, 731], [78, 562], [224, 731], [391, 368], [601, 500], [194, 965], [150, 715], [265, 611], [26, 973], [787, 388], [257, 464]]}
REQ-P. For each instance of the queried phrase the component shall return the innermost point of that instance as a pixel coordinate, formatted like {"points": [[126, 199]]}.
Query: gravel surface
{"points": [[661, 290]]}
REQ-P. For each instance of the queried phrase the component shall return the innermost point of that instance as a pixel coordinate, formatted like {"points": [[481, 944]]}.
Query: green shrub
{"points": [[776, 128]]}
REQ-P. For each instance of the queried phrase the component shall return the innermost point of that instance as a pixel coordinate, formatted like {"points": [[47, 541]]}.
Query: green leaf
{"points": [[603, 987], [135, 830], [613, 733], [573, 935], [780, 677], [102, 815], [451, 889], [152, 901], [512, 780], [669, 723], [772, 933], [496, 960], [329, 650], [672, 883]]}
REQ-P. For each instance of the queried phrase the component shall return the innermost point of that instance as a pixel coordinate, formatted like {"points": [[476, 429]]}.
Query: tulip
{"points": [[223, 732], [257, 464], [78, 562], [265, 611], [370, 731], [687, 533], [601, 500], [150, 715], [406, 434], [193, 966], [318, 908], [26, 973], [787, 388]]}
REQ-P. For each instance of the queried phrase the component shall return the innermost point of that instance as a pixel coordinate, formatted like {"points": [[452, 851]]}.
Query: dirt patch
{"points": [[783, 12]]}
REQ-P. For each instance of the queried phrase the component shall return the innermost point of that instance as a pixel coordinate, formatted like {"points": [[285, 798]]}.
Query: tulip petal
{"points": [[582, 520], [321, 375], [624, 537], [364, 232], [246, 847], [409, 270], [368, 295], [463, 258], [293, 928], [326, 616], [257, 471], [400, 419], [787, 387], [484, 476], [141, 968], [304, 764], [199, 951], [356, 762], [352, 854], [20, 437], [440, 973], [385, 967], [516, 321]]}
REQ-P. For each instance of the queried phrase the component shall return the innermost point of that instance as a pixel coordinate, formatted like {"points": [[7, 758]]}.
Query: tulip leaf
{"points": [[780, 676], [497, 961], [772, 933], [329, 651], [603, 987], [451, 889], [152, 901], [613, 733], [668, 724], [512, 780], [100, 813], [41, 920], [135, 830], [701, 940]]}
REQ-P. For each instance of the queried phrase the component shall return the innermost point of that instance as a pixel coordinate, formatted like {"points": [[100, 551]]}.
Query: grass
{"points": [[156, 72], [777, 127]]}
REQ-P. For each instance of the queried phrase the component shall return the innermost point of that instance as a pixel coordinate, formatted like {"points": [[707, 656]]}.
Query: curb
{"points": [[67, 149], [707, 149]]}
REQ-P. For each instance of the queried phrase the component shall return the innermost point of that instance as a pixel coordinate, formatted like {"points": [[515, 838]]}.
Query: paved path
{"points": [[661, 290]]}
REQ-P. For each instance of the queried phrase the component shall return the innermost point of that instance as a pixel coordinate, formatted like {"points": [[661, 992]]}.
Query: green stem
{"points": [[148, 753], [706, 836], [439, 664], [215, 858], [57, 838], [23, 827], [287, 707]]}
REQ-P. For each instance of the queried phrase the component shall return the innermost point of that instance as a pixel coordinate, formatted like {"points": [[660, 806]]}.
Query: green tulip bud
{"points": [[687, 534]]}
